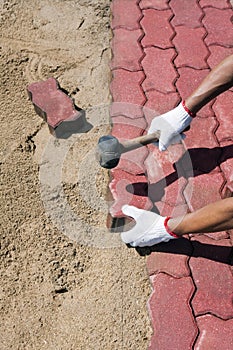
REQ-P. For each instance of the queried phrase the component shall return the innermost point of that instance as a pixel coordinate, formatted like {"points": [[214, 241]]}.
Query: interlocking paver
{"points": [[159, 70], [188, 81], [127, 49], [126, 87], [203, 189], [53, 105], [129, 110], [159, 103], [186, 13], [156, 4], [223, 107], [123, 186], [201, 133], [203, 152], [187, 54], [170, 258], [157, 29], [126, 14], [217, 54], [226, 161], [213, 279], [219, 27], [214, 334], [222, 4], [169, 300], [127, 128]]}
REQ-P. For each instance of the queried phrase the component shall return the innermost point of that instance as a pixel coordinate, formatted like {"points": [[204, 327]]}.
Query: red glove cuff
{"points": [[167, 228], [188, 110]]}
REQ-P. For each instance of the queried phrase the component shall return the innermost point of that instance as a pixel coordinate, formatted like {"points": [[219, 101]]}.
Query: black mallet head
{"points": [[108, 151]]}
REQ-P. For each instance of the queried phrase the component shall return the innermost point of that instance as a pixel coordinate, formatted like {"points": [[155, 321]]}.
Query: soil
{"points": [[66, 281]]}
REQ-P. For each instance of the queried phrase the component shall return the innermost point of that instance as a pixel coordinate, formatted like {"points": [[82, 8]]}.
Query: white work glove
{"points": [[171, 125], [150, 228]]}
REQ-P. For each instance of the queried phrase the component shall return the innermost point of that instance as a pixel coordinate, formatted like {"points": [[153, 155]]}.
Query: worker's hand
{"points": [[171, 125], [150, 228]]}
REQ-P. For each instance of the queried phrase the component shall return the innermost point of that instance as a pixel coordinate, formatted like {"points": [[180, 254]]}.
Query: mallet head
{"points": [[108, 151]]}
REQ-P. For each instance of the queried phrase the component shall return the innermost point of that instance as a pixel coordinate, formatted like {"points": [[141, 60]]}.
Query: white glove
{"points": [[170, 125], [150, 228]]}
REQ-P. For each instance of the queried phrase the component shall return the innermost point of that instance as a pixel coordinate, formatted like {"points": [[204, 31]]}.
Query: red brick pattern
{"points": [[162, 50]]}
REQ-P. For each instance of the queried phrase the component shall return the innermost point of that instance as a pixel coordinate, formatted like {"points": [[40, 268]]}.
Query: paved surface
{"points": [[161, 51]]}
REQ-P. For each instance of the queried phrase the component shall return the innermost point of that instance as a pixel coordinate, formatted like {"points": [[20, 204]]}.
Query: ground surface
{"points": [[55, 292]]}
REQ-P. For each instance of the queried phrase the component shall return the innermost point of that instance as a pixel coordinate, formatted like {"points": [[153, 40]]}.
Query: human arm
{"points": [[213, 217], [152, 228], [174, 122]]}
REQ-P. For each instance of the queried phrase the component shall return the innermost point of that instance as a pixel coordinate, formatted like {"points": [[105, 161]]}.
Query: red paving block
{"points": [[126, 128], [187, 13], [220, 4], [157, 29], [126, 87], [155, 62], [217, 235], [219, 27], [223, 107], [217, 54], [226, 160], [214, 334], [170, 258], [173, 211], [201, 133], [159, 103], [127, 51], [123, 186], [188, 81], [213, 279], [203, 153], [169, 300], [155, 4], [203, 189], [189, 41], [126, 14], [52, 104], [129, 110]]}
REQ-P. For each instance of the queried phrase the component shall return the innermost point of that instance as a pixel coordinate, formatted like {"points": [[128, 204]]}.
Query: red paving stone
{"points": [[170, 258], [123, 187], [223, 107], [155, 4], [187, 54], [159, 70], [126, 87], [51, 103], [219, 27], [203, 189], [169, 300], [226, 160], [170, 68], [126, 14], [213, 279], [214, 334], [127, 49], [183, 16], [159, 103], [157, 29], [215, 3], [217, 54]]}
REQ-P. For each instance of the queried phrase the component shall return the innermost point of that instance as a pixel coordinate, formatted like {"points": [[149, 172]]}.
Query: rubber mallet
{"points": [[109, 149]]}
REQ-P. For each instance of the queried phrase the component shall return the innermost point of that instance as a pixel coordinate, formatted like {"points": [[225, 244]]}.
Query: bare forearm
{"points": [[217, 81], [214, 217]]}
